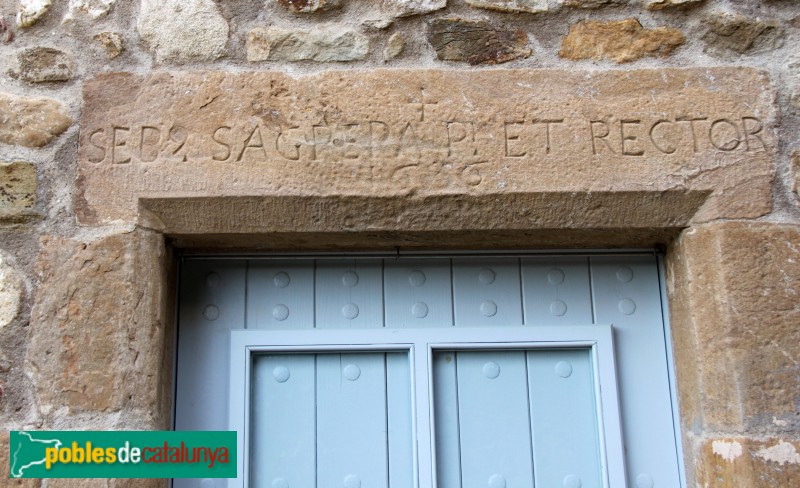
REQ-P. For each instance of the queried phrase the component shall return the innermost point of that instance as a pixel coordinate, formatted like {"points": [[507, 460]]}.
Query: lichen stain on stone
{"points": [[781, 453], [728, 451]]}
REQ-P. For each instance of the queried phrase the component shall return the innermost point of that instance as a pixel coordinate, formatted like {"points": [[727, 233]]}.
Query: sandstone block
{"points": [[619, 41], [476, 42], [323, 44], [735, 289], [94, 9], [96, 338], [44, 64], [17, 191], [679, 146], [31, 11], [10, 292], [663, 4], [748, 463], [394, 46], [111, 42], [405, 8], [181, 30], [31, 122], [308, 6], [591, 4], [734, 33], [531, 6]]}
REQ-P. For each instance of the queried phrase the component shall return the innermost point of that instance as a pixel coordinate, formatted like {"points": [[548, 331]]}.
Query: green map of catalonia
{"points": [[29, 452]]}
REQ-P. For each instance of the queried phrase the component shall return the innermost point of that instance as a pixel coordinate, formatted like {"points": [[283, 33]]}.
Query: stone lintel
{"points": [[414, 136]]}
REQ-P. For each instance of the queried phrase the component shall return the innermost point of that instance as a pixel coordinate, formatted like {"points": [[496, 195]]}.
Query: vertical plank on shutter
{"points": [[418, 293], [351, 420], [398, 399], [211, 304], [556, 290], [283, 445], [494, 419], [626, 294], [445, 416], [280, 294], [564, 418], [349, 294], [487, 292]]}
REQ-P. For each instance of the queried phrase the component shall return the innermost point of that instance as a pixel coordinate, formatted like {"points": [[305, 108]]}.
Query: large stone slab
{"points": [[546, 149]]}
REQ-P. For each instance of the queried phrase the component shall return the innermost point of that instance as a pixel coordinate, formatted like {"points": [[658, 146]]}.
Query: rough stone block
{"points": [[112, 42], [734, 291], [10, 293], [405, 8], [621, 41], [591, 4], [98, 324], [323, 44], [308, 6], [180, 30], [394, 46], [31, 122], [45, 64], [665, 4], [737, 34], [530, 6], [618, 150], [17, 191], [92, 8], [31, 11], [476, 42], [748, 463]]}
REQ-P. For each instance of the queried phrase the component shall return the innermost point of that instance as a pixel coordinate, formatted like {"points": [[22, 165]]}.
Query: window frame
{"points": [[421, 345]]}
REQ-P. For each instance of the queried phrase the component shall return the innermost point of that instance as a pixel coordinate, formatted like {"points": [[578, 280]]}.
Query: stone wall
{"points": [[87, 241]]}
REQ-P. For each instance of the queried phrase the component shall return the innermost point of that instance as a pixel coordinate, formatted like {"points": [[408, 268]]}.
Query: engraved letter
{"points": [[732, 142], [315, 131], [547, 123], [457, 132], [666, 150], [753, 131], [692, 128], [119, 140], [101, 146], [378, 133], [629, 151], [511, 153], [289, 154], [408, 138], [227, 146], [599, 137], [153, 152], [253, 144], [350, 150]]}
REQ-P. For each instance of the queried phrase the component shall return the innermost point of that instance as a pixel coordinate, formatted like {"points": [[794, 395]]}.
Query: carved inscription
{"points": [[512, 138]]}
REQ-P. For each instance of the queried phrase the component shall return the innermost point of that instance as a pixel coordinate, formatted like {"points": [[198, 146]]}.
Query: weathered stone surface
{"points": [[31, 10], [734, 291], [183, 30], [748, 463], [10, 292], [377, 24], [111, 42], [405, 8], [31, 122], [17, 191], [476, 42], [92, 8], [394, 46], [97, 324], [663, 141], [324, 44], [591, 4], [796, 173], [620, 41], [734, 33], [44, 64], [308, 6], [662, 4], [532, 6]]}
